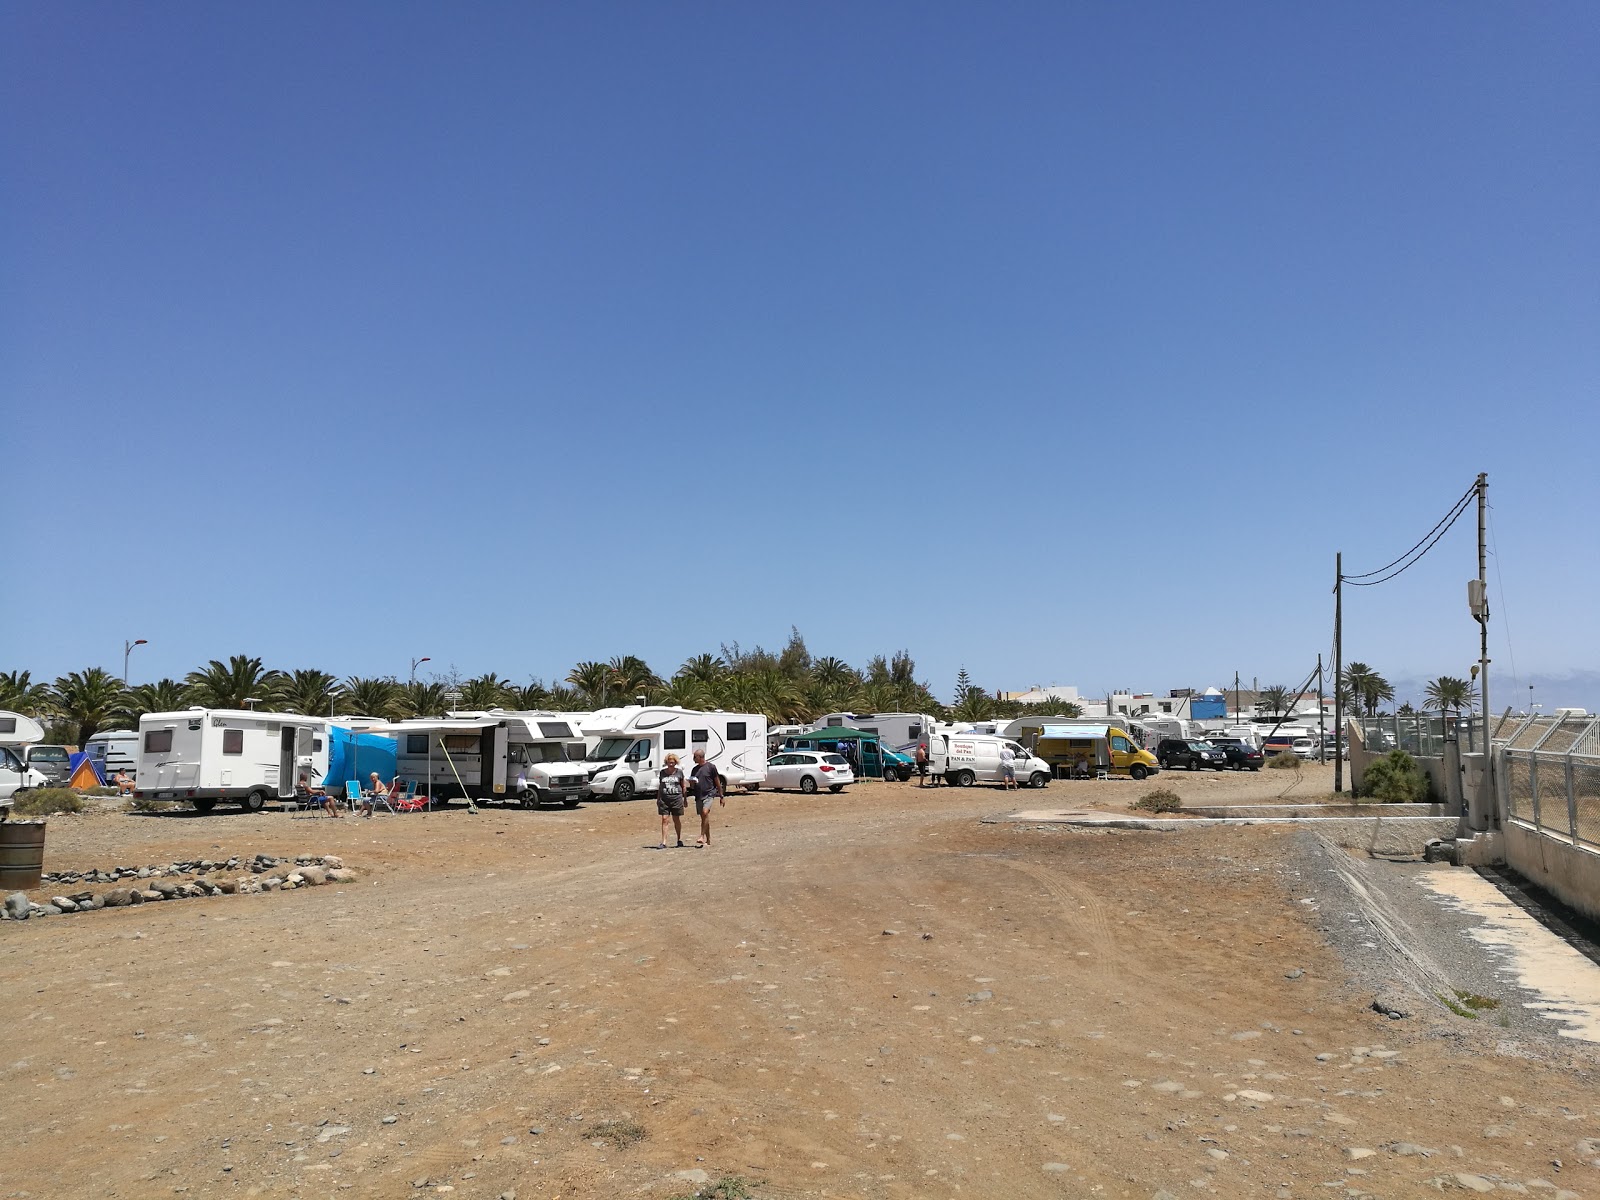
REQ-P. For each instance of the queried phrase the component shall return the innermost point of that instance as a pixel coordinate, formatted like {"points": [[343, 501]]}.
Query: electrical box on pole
{"points": [[1477, 600]]}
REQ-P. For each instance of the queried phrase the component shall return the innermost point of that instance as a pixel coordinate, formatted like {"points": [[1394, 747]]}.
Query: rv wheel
{"points": [[1138, 771], [204, 805], [965, 778], [1038, 779], [254, 802], [623, 790]]}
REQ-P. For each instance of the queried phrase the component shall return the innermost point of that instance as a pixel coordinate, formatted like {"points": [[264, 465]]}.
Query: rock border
{"points": [[178, 881]]}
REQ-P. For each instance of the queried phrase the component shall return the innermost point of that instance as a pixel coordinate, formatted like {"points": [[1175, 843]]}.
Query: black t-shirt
{"points": [[671, 785], [705, 781]]}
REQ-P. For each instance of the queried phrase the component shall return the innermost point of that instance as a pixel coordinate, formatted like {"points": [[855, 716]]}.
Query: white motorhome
{"points": [[231, 756], [627, 746], [895, 730], [116, 750], [967, 758], [530, 758], [16, 730]]}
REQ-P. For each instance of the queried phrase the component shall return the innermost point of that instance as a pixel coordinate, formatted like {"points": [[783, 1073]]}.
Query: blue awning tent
{"points": [[356, 755]]}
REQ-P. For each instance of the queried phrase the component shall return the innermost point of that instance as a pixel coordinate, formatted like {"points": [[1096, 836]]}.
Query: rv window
{"points": [[737, 731], [8, 724], [609, 750], [1120, 743], [555, 729], [158, 741], [416, 743], [461, 743], [914, 732], [316, 745], [672, 739], [576, 751], [233, 741], [10, 760], [701, 735], [640, 751]]}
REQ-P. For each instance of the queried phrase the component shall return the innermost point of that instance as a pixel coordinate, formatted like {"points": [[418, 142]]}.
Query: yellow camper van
{"points": [[1086, 749]]}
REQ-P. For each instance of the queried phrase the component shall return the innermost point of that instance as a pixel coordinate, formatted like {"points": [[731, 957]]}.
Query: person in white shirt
{"points": [[1008, 767]]}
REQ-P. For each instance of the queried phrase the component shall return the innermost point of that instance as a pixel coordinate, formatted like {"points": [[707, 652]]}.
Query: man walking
{"points": [[707, 786], [1008, 767]]}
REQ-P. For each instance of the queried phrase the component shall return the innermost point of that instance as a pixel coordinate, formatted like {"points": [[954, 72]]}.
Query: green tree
{"points": [[703, 668], [1274, 699], [18, 693], [630, 676], [1449, 694], [419, 699], [963, 684], [373, 697], [164, 696], [310, 692], [975, 704], [87, 700], [230, 684], [1366, 687], [592, 680], [485, 692], [795, 660], [531, 697], [1396, 779]]}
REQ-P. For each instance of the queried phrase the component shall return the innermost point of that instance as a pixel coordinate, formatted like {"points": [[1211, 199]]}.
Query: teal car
{"points": [[901, 766]]}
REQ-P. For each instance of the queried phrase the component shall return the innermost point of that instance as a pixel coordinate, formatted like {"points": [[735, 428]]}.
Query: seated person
{"points": [[124, 784], [373, 792], [307, 793]]}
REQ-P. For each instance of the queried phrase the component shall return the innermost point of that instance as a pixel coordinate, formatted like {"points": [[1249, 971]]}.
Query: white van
{"points": [[627, 747], [117, 750], [967, 758], [15, 731], [531, 758], [234, 756]]}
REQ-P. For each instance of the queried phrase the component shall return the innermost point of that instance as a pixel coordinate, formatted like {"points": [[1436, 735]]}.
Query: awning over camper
{"points": [[433, 725], [835, 733], [1075, 731]]}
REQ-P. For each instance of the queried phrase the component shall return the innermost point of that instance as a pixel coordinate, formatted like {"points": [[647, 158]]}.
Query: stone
{"points": [[1324, 1057], [390, 1120], [150, 894], [1357, 1153], [1391, 1005], [693, 1175], [509, 1194], [1295, 973], [228, 887], [1473, 1183], [977, 997], [118, 898], [272, 883], [1055, 1168], [1409, 1150], [341, 875], [332, 860], [1254, 1097], [63, 904], [17, 906], [313, 876]]}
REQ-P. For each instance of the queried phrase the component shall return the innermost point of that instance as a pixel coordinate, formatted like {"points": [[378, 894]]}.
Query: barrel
{"points": [[21, 855]]}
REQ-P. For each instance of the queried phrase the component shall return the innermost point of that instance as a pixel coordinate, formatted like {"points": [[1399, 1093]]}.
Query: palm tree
{"points": [[593, 681], [484, 692], [563, 699], [1366, 687], [375, 697], [703, 668], [19, 693], [229, 686], [167, 695], [310, 692], [418, 699], [975, 704], [1448, 693], [631, 675], [88, 699], [1274, 699], [529, 698], [795, 659], [686, 691]]}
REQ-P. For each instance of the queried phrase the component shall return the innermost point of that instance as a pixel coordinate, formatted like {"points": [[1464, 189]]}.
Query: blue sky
{"points": [[1065, 342]]}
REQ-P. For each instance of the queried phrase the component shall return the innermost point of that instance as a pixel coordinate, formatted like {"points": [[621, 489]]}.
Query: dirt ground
{"points": [[866, 995]]}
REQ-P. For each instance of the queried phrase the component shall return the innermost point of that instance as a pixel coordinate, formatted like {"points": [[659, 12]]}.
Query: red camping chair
{"points": [[410, 802]]}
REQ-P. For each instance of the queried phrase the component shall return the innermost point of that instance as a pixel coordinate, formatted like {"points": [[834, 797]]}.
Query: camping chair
{"points": [[352, 794], [383, 799], [411, 802]]}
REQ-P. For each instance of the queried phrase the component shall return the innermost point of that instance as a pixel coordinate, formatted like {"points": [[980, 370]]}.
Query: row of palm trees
{"points": [[788, 686], [1363, 691]]}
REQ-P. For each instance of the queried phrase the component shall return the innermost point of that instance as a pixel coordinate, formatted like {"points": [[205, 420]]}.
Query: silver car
{"points": [[809, 770]]}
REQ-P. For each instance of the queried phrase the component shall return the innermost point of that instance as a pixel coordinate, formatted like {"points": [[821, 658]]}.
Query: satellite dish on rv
{"points": [[18, 730]]}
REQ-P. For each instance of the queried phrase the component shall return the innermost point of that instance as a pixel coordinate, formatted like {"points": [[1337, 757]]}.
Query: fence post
{"points": [[1533, 788], [1572, 801]]}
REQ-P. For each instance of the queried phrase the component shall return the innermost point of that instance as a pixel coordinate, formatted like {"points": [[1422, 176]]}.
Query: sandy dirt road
{"points": [[870, 995]]}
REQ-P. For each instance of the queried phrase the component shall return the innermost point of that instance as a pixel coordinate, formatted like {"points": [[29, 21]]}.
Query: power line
{"points": [[1445, 522], [1416, 553]]}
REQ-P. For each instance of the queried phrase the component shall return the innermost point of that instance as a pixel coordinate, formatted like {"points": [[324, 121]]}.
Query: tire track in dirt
{"points": [[1081, 902]]}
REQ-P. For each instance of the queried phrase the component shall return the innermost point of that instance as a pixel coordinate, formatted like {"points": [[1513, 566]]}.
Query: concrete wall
{"points": [[1360, 757], [1568, 872]]}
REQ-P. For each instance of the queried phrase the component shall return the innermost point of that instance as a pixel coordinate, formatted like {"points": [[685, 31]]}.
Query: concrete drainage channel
{"points": [[1421, 936]]}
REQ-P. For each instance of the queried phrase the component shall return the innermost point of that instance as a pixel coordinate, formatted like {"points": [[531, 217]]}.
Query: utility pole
{"points": [[1322, 717], [1238, 713], [1480, 610], [1338, 672]]}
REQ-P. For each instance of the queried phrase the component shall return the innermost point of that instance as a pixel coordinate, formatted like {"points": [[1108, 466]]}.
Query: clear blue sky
{"points": [[1064, 341]]}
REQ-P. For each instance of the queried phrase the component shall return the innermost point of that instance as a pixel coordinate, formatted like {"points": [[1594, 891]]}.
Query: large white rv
{"points": [[627, 747], [895, 730], [531, 758], [17, 730], [232, 756], [116, 750]]}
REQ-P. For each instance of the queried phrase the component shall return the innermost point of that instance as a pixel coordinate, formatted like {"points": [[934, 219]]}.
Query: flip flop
{"points": [[699, 845]]}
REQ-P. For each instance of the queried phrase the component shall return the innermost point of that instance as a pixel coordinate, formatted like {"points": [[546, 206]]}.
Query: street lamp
{"points": [[250, 702], [127, 649], [415, 663]]}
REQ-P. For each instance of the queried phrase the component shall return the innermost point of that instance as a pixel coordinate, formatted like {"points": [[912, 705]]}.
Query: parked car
{"points": [[809, 770], [896, 765], [53, 762], [1173, 752], [1242, 756]]}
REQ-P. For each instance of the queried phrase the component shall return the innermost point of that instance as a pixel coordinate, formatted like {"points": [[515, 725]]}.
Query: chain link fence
{"points": [[1549, 771]]}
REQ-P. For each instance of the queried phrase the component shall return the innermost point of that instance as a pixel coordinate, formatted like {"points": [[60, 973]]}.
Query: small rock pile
{"points": [[178, 881]]}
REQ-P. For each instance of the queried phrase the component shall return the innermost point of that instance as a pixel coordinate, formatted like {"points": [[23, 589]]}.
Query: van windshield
{"points": [[609, 750], [47, 754]]}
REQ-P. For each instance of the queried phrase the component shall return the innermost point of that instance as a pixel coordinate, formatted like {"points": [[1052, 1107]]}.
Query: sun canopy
{"points": [[433, 725], [835, 733], [355, 755], [1075, 731]]}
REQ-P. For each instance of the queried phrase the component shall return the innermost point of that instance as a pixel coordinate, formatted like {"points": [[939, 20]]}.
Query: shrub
{"points": [[1160, 800], [1396, 779], [42, 802], [143, 804], [1288, 760]]}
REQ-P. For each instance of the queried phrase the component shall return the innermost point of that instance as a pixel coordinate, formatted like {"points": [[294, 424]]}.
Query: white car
{"points": [[809, 770]]}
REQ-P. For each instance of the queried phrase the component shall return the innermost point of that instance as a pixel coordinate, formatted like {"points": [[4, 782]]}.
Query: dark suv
{"points": [[1174, 752], [1241, 755]]}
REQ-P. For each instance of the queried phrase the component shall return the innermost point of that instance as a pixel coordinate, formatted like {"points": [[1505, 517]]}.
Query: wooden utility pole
{"points": [[1481, 612], [1322, 716], [1338, 671]]}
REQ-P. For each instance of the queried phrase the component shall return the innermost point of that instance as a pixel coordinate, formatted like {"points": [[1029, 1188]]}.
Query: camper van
{"points": [[627, 746], [51, 761], [231, 756], [1076, 749], [967, 758], [117, 750], [15, 731], [896, 731], [528, 758]]}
